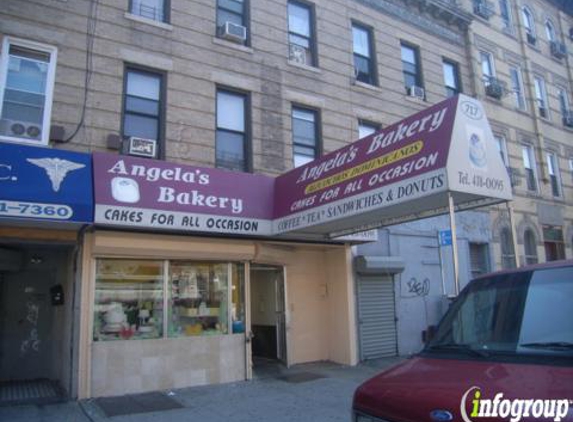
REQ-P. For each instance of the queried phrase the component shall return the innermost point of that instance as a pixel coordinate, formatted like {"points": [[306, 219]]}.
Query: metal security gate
{"points": [[376, 317]]}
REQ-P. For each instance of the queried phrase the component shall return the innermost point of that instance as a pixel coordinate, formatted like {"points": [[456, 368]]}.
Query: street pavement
{"points": [[314, 392]]}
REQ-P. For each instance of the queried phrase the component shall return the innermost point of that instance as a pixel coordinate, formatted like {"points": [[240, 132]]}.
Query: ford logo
{"points": [[441, 415]]}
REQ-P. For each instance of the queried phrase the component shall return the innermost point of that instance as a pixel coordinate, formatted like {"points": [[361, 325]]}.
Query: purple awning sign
{"points": [[401, 173], [133, 191], [397, 174]]}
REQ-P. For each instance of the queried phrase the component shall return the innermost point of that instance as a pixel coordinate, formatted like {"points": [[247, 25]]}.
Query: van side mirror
{"points": [[429, 333]]}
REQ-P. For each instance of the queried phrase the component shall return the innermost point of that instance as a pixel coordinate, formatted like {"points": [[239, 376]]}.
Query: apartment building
{"points": [[256, 87], [522, 67]]}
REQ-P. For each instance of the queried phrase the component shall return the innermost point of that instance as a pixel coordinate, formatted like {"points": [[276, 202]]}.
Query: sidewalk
{"points": [[313, 392]]}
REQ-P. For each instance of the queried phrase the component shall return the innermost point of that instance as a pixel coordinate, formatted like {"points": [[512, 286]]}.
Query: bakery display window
{"points": [[149, 299], [128, 299], [199, 299]]}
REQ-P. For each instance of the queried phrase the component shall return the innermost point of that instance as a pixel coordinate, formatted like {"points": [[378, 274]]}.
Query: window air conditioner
{"points": [[297, 53], [494, 88], [417, 91], [26, 130], [558, 49], [233, 32], [142, 147]]}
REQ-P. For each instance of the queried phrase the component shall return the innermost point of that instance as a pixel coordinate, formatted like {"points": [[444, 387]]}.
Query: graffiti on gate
{"points": [[32, 342]]}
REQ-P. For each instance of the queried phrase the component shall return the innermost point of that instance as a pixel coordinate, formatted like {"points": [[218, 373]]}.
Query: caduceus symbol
{"points": [[56, 168]]}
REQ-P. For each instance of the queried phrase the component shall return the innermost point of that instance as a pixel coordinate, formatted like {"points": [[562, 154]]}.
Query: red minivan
{"points": [[502, 352]]}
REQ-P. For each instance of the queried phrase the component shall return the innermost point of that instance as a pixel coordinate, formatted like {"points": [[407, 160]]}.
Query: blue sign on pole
{"points": [[445, 237], [45, 184]]}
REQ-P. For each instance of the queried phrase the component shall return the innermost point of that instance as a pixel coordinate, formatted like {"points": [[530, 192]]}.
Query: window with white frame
{"points": [[517, 87], [530, 247], [550, 31], [157, 10], [529, 24], [366, 128], [563, 101], [27, 72], [571, 167], [487, 67], [505, 12], [507, 250], [541, 96], [301, 33], [451, 77], [554, 177], [502, 148], [529, 166]]}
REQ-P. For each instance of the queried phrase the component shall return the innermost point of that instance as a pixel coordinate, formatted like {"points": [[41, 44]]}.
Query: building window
{"points": [[541, 96], [304, 135], [366, 128], [554, 176], [571, 167], [451, 77], [529, 25], [550, 31], [529, 167], [502, 148], [301, 33], [143, 106], [157, 10], [505, 12], [553, 242], [362, 47], [564, 106], [517, 87], [203, 298], [487, 67], [411, 67], [507, 251], [479, 259], [530, 246], [26, 88], [231, 20], [231, 142]]}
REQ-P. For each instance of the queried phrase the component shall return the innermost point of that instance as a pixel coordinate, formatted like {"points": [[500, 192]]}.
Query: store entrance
{"points": [[35, 324], [268, 321]]}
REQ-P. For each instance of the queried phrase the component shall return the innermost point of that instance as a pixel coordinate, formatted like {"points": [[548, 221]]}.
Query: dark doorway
{"points": [[35, 324], [554, 244], [268, 323]]}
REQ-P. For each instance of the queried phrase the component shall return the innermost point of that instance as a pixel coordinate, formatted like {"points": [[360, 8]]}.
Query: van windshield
{"points": [[514, 314]]}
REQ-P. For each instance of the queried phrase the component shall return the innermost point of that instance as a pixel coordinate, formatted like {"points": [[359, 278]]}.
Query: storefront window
{"points": [[198, 299], [201, 298], [128, 299]]}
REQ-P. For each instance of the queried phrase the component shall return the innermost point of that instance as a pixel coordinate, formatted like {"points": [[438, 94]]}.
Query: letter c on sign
{"points": [[5, 174]]}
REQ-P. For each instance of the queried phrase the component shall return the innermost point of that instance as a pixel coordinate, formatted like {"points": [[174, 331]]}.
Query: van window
{"points": [[521, 313], [548, 315]]}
